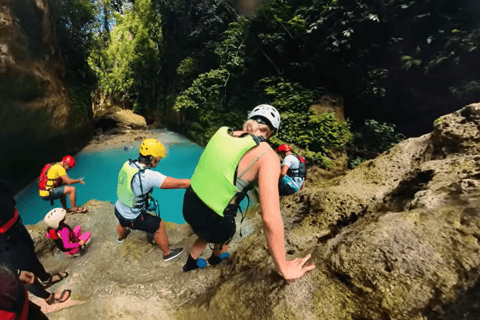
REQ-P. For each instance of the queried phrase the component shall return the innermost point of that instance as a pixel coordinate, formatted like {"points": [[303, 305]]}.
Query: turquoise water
{"points": [[100, 170]]}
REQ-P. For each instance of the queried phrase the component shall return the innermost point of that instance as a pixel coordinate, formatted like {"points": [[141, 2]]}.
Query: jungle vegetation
{"points": [[393, 63]]}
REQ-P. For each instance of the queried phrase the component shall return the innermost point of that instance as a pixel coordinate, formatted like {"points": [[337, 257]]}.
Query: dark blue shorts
{"points": [[56, 193], [145, 222]]}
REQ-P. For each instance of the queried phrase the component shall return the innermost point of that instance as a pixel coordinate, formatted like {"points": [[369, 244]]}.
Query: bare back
{"points": [[266, 154]]}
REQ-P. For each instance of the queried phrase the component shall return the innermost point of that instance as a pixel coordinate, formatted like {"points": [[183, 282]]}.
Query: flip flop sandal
{"points": [[79, 210], [60, 299], [50, 282]]}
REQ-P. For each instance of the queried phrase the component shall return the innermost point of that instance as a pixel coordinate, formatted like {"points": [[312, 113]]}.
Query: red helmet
{"points": [[69, 160], [284, 148]]}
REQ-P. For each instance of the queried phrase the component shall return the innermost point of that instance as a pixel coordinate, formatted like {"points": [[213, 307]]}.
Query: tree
{"points": [[128, 67]]}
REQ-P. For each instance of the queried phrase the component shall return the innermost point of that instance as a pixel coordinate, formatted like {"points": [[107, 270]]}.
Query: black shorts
{"points": [[206, 223], [145, 222]]}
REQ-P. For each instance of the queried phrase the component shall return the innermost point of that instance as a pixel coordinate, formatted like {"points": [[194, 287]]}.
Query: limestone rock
{"points": [[395, 238], [36, 114], [124, 120]]}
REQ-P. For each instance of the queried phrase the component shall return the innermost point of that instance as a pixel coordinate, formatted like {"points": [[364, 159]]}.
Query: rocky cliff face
{"points": [[395, 238], [38, 122]]}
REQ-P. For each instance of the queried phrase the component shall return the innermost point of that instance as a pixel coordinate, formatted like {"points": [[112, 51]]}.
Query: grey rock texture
{"points": [[395, 238]]}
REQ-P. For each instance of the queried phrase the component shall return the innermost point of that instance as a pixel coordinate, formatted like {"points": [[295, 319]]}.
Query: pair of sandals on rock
{"points": [[64, 295], [78, 210]]}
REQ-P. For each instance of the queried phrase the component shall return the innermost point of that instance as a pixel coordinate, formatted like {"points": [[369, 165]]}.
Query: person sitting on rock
{"points": [[136, 181], [54, 183], [68, 240], [231, 162], [293, 171], [14, 303], [17, 250]]}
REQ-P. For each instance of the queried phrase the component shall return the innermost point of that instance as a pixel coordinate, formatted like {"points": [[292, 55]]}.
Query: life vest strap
{"points": [[9, 223]]}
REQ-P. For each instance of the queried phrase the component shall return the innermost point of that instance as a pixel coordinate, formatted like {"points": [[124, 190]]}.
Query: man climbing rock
{"points": [[136, 181], [293, 171], [54, 183]]}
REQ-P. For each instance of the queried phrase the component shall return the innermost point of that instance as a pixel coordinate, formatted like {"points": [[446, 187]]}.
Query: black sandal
{"points": [[50, 282], [61, 298]]}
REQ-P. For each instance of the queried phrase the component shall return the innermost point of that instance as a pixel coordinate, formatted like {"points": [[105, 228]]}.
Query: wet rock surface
{"points": [[395, 238]]}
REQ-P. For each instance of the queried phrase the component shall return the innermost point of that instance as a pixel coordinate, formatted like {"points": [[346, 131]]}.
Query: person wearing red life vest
{"points": [[14, 303], [293, 171], [54, 183], [17, 250]]}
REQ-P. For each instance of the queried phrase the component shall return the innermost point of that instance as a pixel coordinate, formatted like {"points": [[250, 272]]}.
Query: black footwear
{"points": [[174, 253], [214, 260], [126, 234], [193, 264], [50, 282]]}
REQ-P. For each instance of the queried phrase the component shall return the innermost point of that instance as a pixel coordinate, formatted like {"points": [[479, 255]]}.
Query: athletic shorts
{"points": [[54, 194], [145, 222], [206, 223]]}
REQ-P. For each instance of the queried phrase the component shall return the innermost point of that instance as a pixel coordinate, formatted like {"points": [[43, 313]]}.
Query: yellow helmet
{"points": [[152, 147]]}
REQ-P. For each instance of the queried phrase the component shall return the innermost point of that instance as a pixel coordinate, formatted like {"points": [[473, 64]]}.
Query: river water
{"points": [[100, 170]]}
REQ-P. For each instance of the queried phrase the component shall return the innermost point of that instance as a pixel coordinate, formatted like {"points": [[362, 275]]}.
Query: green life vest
{"points": [[214, 176], [124, 187]]}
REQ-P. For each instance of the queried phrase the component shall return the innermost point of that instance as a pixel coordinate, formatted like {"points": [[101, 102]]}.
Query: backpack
{"points": [[302, 168], [43, 179]]}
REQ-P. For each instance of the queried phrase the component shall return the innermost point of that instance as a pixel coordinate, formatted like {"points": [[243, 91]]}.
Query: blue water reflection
{"points": [[100, 170]]}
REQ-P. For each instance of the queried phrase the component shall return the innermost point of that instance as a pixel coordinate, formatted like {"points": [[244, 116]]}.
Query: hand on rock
{"points": [[297, 268]]}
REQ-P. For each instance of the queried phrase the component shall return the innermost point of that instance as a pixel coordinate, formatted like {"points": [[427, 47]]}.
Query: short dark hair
{"points": [[146, 160]]}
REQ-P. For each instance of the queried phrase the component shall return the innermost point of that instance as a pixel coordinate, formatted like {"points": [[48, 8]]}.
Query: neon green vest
{"points": [[213, 178], [124, 189]]}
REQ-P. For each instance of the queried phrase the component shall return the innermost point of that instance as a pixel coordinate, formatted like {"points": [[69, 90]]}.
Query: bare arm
{"points": [[66, 180], [172, 183], [268, 174], [284, 170]]}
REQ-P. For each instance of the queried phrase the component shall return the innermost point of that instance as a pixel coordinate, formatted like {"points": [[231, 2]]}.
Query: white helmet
{"points": [[267, 112], [54, 216]]}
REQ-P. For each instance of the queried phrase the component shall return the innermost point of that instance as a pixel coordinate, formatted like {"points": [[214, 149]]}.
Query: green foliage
{"points": [[373, 83], [73, 21], [460, 44], [286, 96], [230, 50], [127, 66], [206, 96], [81, 99], [186, 66], [438, 120], [355, 162], [408, 62], [317, 134], [371, 140], [204, 93], [466, 88]]}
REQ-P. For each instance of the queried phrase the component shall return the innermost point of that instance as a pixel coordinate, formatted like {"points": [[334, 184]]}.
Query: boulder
{"points": [[124, 120], [395, 238]]}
